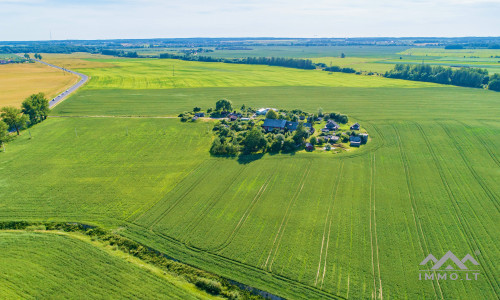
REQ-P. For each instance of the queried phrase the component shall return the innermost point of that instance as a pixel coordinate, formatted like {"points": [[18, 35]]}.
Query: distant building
{"points": [[355, 126], [194, 118], [3, 62], [245, 119], [199, 115], [263, 111], [332, 139], [331, 125], [309, 147]]}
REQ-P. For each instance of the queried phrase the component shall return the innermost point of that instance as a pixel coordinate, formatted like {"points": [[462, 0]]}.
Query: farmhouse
{"points": [[271, 124], [199, 115], [355, 141], [332, 139], [355, 126]]}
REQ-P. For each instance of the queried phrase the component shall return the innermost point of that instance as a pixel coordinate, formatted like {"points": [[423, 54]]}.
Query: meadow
{"points": [[61, 266], [18, 81], [301, 226]]}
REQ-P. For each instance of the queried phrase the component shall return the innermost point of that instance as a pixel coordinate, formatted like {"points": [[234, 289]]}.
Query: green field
{"points": [[172, 73], [301, 226], [61, 266]]}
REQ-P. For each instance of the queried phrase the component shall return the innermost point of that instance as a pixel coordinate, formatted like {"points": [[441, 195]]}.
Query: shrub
{"points": [[210, 286]]}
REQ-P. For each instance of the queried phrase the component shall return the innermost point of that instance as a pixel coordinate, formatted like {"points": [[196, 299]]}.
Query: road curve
{"points": [[62, 96]]}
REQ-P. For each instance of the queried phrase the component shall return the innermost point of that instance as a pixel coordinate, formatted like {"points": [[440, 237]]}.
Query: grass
{"points": [[309, 225], [18, 81], [59, 265]]}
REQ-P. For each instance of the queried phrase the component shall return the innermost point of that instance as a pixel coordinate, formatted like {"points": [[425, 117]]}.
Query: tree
{"points": [[4, 133], [254, 141], [196, 109], [271, 114], [26, 55], [300, 134], [36, 107], [14, 118], [224, 104], [342, 55], [494, 85]]}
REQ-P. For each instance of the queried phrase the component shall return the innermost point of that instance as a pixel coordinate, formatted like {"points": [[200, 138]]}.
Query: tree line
{"points": [[466, 77], [34, 110], [296, 63]]}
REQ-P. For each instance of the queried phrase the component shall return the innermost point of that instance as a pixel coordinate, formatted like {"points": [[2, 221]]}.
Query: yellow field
{"points": [[77, 60], [18, 81]]}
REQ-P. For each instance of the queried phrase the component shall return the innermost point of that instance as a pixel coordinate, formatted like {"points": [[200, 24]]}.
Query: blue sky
{"points": [[92, 19]]}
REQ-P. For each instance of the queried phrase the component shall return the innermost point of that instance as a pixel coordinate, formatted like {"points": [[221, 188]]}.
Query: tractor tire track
{"points": [[196, 221], [184, 194], [328, 220], [416, 218], [373, 230], [487, 191], [485, 145], [462, 221], [285, 219], [245, 215]]}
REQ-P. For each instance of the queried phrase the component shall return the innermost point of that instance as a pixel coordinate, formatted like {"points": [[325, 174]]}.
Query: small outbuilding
{"points": [[199, 115], [309, 147], [355, 126]]}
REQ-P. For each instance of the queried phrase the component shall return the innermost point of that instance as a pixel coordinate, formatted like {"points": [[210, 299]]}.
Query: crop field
{"points": [[171, 73], [18, 81], [303, 226], [77, 60], [61, 266]]}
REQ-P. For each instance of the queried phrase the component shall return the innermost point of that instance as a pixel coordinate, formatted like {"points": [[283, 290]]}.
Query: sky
{"points": [[22, 20]]}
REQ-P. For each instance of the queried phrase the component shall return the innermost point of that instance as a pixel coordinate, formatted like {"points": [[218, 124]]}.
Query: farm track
{"points": [[192, 226], [245, 215], [462, 221], [284, 221], [416, 218], [485, 145], [373, 230], [466, 161], [332, 205], [228, 260], [184, 194], [328, 221]]}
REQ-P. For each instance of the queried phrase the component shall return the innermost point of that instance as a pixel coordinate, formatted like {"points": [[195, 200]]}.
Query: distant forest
{"points": [[466, 77]]}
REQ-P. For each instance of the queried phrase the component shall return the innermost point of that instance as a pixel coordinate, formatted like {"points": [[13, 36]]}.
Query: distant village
{"points": [[262, 130]]}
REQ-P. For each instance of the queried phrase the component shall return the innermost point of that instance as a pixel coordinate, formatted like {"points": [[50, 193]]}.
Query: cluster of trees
{"points": [[339, 69], [33, 110], [467, 77], [38, 56], [119, 53], [247, 138], [494, 83]]}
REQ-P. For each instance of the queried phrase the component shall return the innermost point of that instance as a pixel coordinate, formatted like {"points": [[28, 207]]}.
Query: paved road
{"points": [[59, 98]]}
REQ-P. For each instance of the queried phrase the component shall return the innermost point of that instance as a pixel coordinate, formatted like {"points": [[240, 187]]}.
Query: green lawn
{"points": [[56, 266], [302, 226]]}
